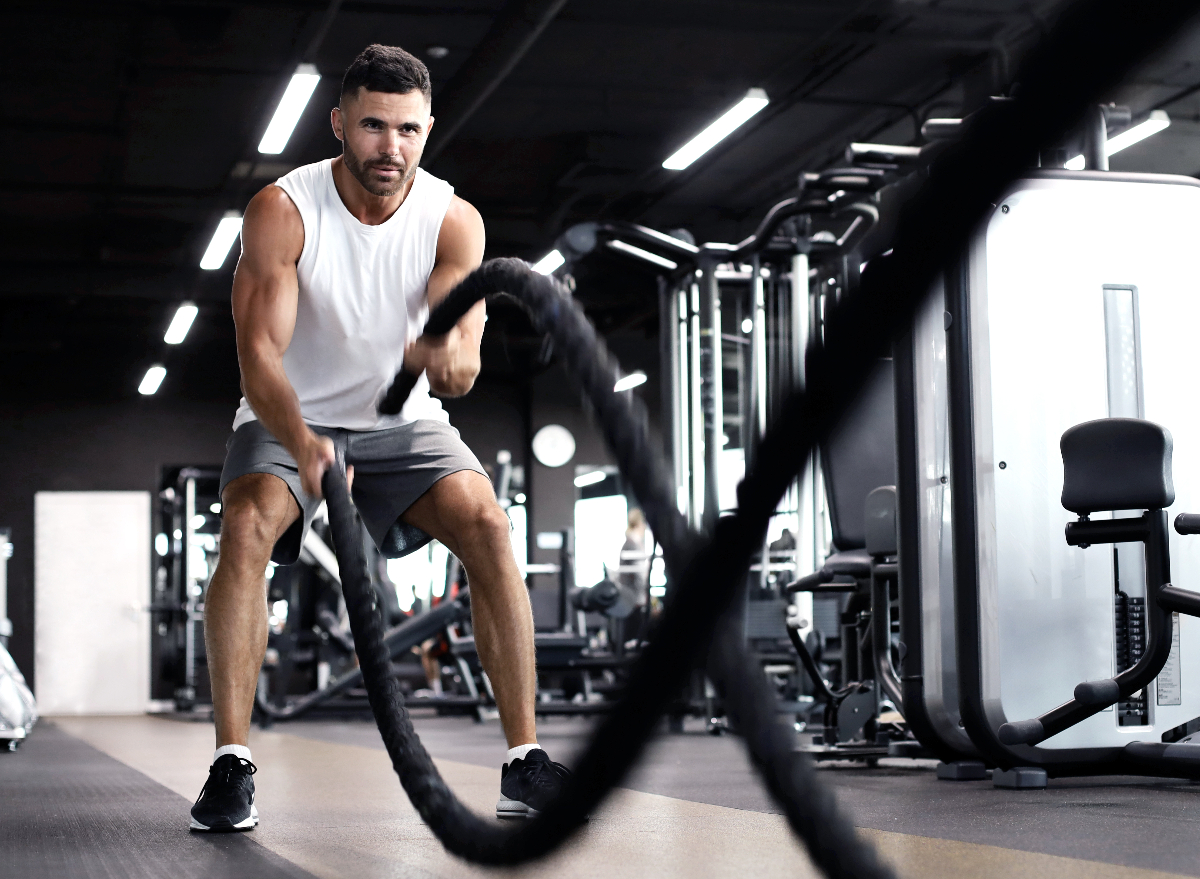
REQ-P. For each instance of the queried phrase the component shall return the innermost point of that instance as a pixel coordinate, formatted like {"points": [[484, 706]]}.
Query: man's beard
{"points": [[362, 172]]}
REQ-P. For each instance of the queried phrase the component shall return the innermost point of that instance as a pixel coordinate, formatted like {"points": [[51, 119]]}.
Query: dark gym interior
{"points": [[981, 696]]}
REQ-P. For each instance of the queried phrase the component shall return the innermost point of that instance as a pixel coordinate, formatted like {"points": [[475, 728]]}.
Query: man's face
{"points": [[383, 136]]}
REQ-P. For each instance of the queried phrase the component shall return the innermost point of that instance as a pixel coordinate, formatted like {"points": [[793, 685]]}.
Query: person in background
{"points": [[633, 572]]}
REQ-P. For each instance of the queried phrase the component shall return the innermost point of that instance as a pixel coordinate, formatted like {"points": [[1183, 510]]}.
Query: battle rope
{"points": [[1090, 48]]}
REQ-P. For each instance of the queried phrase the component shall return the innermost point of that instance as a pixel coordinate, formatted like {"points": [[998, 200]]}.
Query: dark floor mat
{"points": [[68, 811]]}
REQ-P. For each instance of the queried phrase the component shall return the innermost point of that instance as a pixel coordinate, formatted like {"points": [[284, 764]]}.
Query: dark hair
{"points": [[386, 69]]}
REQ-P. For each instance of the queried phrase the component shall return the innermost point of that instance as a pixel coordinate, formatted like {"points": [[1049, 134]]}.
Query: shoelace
{"points": [[242, 767], [546, 772]]}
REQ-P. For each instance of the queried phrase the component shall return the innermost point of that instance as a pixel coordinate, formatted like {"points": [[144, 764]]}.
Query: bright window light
{"points": [[1153, 124], [747, 325], [630, 381], [181, 323], [728, 123], [643, 254], [548, 263], [153, 378], [215, 508], [227, 232], [161, 544], [592, 478], [291, 106]]}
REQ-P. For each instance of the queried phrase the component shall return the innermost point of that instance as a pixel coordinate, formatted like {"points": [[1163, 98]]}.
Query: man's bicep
{"points": [[265, 285], [459, 249], [264, 307]]}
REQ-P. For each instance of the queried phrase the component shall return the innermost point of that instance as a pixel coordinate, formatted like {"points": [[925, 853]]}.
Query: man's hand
{"points": [[317, 456], [450, 365]]}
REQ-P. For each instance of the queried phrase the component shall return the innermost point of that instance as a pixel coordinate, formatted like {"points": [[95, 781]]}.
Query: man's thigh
{"points": [[252, 453], [454, 507]]}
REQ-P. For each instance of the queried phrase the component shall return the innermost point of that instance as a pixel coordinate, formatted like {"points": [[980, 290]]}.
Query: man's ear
{"points": [[335, 120]]}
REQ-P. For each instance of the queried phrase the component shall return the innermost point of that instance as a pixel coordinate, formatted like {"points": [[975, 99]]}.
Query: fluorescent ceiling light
{"points": [[725, 125], [227, 232], [152, 379], [548, 263], [291, 106], [643, 254], [181, 323], [630, 381], [1153, 124], [590, 478]]}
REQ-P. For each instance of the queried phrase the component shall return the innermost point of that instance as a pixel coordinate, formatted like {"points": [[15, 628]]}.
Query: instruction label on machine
{"points": [[1169, 690]]}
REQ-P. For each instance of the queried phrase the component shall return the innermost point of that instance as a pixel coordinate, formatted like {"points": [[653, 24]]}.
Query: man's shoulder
{"points": [[272, 220], [462, 230], [270, 204]]}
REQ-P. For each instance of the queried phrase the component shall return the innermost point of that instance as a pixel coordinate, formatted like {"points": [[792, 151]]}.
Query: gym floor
{"points": [[109, 796]]}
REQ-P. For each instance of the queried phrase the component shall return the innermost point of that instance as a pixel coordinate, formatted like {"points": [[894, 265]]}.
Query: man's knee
{"points": [[486, 525], [254, 514]]}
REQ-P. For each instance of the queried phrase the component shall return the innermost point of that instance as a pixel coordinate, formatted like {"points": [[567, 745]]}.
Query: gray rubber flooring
{"points": [[1134, 822], [68, 811]]}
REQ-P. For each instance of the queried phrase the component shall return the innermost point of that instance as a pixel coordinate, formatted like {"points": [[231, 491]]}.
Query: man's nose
{"points": [[391, 144]]}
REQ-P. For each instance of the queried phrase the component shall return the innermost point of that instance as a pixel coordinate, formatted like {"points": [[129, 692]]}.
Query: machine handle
{"points": [[1021, 732], [1188, 523]]}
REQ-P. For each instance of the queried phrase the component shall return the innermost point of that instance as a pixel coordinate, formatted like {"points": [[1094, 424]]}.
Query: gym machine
{"points": [[1067, 308], [736, 320], [185, 553], [18, 710]]}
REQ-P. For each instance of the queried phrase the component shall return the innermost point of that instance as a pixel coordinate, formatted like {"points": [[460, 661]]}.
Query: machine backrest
{"points": [[879, 519], [1116, 464], [859, 455]]}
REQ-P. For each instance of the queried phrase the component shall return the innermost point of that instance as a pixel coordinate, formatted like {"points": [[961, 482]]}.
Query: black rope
{"points": [[1088, 51]]}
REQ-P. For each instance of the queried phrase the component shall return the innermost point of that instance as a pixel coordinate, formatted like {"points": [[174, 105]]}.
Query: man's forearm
{"points": [[274, 401]]}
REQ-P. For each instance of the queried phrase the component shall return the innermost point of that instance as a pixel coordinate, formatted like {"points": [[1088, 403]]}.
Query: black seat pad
{"points": [[1116, 464], [854, 562]]}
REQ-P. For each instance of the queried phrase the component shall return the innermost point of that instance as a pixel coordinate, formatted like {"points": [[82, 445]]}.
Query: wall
{"points": [[117, 447]]}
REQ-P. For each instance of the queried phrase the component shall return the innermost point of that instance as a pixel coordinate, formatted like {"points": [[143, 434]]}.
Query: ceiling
{"points": [[127, 129]]}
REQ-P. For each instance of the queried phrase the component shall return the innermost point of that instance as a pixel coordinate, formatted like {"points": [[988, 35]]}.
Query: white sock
{"points": [[236, 750], [519, 752]]}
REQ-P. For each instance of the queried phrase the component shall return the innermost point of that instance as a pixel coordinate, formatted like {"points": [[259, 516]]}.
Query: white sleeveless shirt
{"points": [[362, 299]]}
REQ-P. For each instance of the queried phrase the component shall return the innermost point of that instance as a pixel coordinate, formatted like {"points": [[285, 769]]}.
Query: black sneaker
{"points": [[226, 802], [527, 785]]}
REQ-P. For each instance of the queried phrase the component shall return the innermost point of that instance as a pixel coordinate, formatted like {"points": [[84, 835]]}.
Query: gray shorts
{"points": [[392, 469]]}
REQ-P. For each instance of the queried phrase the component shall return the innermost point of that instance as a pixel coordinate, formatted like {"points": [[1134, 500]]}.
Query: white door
{"points": [[91, 588]]}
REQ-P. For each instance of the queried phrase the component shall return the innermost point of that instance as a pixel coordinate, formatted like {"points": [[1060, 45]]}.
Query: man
{"points": [[341, 261]]}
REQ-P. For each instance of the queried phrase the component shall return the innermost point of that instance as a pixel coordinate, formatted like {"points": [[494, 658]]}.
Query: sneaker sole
{"points": [[512, 809], [227, 826]]}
